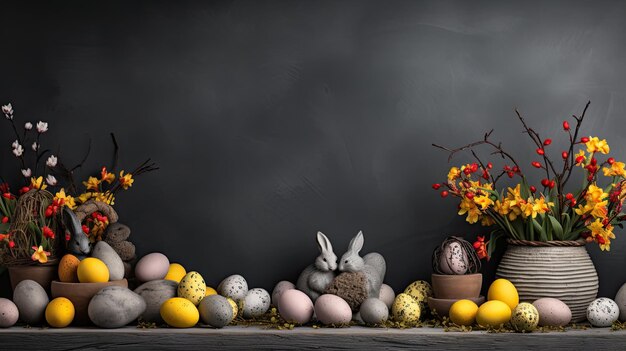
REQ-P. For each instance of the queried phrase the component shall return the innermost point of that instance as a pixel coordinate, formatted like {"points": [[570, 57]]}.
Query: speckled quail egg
{"points": [[420, 290], [234, 286], [525, 317], [602, 312], [406, 309], [453, 259], [256, 303], [192, 287]]}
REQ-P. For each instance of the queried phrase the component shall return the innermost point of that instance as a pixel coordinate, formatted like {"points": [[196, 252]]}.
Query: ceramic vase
{"points": [[561, 270], [449, 288]]}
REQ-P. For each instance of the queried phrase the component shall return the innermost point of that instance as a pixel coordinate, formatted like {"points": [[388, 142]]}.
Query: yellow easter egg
{"points": [[210, 291], [493, 314], [68, 269], [406, 309], [60, 312], [503, 290], [192, 287], [525, 317], [176, 272], [92, 270], [463, 312], [179, 312], [233, 304], [420, 290]]}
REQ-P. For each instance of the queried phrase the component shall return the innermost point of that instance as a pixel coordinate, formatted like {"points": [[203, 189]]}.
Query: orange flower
{"points": [[106, 176]]}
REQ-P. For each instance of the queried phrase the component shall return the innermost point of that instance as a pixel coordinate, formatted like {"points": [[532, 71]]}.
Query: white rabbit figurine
{"points": [[372, 265], [315, 278]]}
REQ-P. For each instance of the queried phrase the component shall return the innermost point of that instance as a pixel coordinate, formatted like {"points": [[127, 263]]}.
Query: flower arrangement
{"points": [[31, 218], [552, 211]]}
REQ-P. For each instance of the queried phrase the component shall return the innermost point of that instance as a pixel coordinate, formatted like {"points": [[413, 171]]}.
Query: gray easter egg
{"points": [[234, 286], [9, 313], [374, 311], [216, 311], [256, 303], [31, 301]]}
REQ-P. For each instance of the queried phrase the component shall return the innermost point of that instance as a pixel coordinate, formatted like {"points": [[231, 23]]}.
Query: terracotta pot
{"points": [[562, 272], [465, 286], [80, 294], [42, 274], [442, 306]]}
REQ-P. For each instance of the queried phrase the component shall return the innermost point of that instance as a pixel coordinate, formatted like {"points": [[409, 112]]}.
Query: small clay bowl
{"points": [[80, 294], [466, 286], [441, 307]]}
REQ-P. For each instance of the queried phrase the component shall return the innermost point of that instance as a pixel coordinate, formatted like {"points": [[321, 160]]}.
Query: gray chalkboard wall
{"points": [[273, 120]]}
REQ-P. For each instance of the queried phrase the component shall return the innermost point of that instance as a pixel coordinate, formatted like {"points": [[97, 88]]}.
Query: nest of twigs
{"points": [[473, 262], [29, 209]]}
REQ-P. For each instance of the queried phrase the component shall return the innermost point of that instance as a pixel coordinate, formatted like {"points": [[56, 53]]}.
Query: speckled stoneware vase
{"points": [[561, 270]]}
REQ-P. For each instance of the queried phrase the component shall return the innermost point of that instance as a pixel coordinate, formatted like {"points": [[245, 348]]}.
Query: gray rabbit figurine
{"points": [[372, 265], [316, 277]]}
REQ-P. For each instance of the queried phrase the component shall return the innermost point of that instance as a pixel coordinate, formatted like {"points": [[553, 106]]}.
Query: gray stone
{"points": [[155, 293], [215, 310], [125, 249], [620, 299], [31, 301], [116, 232], [111, 259], [115, 307]]}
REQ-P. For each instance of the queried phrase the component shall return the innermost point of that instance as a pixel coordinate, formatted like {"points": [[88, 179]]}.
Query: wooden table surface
{"points": [[303, 338]]}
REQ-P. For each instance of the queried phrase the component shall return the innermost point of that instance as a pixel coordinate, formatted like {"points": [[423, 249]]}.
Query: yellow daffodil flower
{"points": [[67, 199], [468, 206], [617, 169], [38, 183], [487, 221], [514, 195], [596, 145], [82, 198], [483, 201], [528, 210], [582, 210], [126, 180], [454, 173], [105, 197], [595, 194], [541, 206], [601, 235], [502, 207], [92, 184], [39, 254], [599, 209]]}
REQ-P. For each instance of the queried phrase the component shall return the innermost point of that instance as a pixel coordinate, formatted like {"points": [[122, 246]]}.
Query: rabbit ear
{"points": [[356, 244], [324, 243]]}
